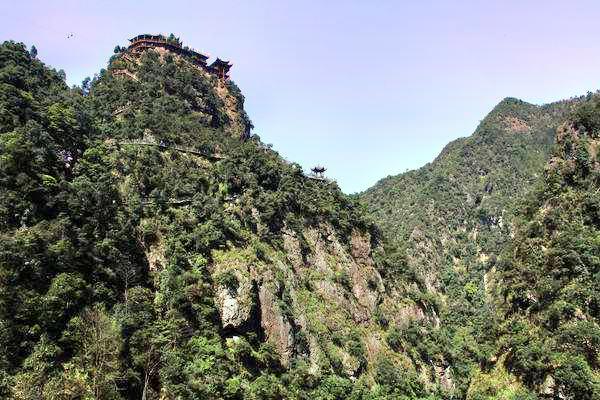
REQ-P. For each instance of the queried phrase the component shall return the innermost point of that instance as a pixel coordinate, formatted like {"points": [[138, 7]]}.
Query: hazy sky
{"points": [[367, 88]]}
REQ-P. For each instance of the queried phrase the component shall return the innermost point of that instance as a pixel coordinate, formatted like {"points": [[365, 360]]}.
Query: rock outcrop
{"points": [[314, 287]]}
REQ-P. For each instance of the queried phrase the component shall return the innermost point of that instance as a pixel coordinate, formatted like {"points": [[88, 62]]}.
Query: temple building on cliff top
{"points": [[141, 43]]}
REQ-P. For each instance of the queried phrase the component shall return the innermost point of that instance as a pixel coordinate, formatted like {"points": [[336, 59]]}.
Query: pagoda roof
{"points": [[218, 63]]}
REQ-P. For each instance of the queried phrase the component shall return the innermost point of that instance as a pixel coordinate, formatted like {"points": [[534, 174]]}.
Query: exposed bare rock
{"points": [[350, 364], [307, 291], [444, 375], [318, 256], [260, 227], [292, 249], [235, 308], [155, 254], [234, 296], [234, 108], [401, 314], [374, 345], [360, 248], [549, 386], [277, 328], [516, 125]]}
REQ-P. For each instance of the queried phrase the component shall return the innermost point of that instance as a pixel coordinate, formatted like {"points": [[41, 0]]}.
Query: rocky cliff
{"points": [[152, 248]]}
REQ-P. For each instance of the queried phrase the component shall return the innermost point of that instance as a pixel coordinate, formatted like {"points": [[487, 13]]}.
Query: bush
{"points": [[228, 279]]}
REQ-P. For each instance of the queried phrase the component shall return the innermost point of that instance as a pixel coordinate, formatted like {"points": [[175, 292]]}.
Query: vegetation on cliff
{"points": [[449, 221], [495, 276], [150, 249], [545, 283], [550, 275]]}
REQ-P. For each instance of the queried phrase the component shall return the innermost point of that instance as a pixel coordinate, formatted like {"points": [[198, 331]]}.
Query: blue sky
{"points": [[367, 88]]}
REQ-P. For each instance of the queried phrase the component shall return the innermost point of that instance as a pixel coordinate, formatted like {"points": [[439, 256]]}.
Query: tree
{"points": [[143, 332], [96, 341], [127, 273], [33, 52]]}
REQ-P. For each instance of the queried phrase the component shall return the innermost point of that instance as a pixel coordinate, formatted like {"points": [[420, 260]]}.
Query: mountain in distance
{"points": [[449, 221]]}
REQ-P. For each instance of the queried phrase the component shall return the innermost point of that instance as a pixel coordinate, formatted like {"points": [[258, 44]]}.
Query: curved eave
{"points": [[218, 63]]}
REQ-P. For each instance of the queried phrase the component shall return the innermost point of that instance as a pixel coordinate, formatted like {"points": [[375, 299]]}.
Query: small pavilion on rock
{"points": [[220, 68]]}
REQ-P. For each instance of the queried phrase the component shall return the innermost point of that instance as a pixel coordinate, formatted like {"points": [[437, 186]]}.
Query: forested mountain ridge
{"points": [[449, 221], [501, 234], [548, 277], [151, 248], [470, 187], [483, 172]]}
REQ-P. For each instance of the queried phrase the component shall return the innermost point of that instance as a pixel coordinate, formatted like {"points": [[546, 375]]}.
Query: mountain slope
{"points": [[548, 278], [449, 220], [151, 248], [482, 172]]}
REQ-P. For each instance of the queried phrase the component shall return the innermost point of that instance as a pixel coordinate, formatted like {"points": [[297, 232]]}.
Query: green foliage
{"points": [[498, 385], [447, 223], [551, 271], [343, 278], [107, 248], [96, 343], [396, 380], [228, 280], [394, 338]]}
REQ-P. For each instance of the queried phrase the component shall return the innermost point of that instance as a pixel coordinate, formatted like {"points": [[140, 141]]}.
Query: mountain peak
{"points": [[199, 91], [172, 44]]}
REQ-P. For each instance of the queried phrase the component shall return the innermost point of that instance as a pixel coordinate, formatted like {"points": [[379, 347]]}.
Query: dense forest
{"points": [[457, 224], [451, 219], [151, 248]]}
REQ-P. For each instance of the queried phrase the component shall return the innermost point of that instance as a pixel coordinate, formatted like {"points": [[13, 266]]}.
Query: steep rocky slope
{"points": [[151, 248]]}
